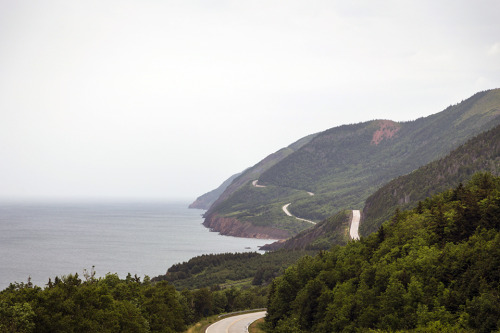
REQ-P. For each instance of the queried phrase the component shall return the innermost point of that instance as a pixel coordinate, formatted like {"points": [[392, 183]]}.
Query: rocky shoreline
{"points": [[232, 227]]}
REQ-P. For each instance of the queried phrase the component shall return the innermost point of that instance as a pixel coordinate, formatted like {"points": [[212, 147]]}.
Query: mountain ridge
{"points": [[481, 153], [206, 200], [345, 164], [255, 171]]}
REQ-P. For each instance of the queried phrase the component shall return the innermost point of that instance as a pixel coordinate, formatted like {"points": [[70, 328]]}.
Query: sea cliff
{"points": [[232, 227]]}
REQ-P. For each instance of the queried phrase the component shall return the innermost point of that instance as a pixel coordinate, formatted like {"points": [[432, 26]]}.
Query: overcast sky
{"points": [[167, 99]]}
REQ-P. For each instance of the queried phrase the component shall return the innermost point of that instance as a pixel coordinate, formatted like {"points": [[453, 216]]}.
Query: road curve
{"points": [[356, 216], [236, 324], [285, 207], [287, 212], [254, 183]]}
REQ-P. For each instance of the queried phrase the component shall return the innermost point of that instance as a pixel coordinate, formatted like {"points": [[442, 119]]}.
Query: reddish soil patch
{"points": [[386, 130], [232, 227]]}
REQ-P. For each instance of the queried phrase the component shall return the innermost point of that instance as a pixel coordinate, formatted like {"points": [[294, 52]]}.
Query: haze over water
{"points": [[44, 240]]}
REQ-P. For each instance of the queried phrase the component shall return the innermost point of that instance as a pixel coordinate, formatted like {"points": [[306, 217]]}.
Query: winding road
{"points": [[356, 215], [285, 207], [236, 324], [287, 212]]}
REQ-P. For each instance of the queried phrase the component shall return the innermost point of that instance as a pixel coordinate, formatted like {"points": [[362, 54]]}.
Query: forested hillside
{"points": [[435, 268], [481, 153], [219, 270], [206, 285], [111, 304], [343, 166]]}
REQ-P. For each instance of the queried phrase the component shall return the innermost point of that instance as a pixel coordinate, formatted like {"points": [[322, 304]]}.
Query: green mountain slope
{"points": [[230, 269], [255, 171], [332, 231], [342, 166], [433, 269], [481, 153]]}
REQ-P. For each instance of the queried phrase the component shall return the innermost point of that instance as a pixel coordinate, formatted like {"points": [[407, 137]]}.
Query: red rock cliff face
{"points": [[233, 227], [387, 129]]}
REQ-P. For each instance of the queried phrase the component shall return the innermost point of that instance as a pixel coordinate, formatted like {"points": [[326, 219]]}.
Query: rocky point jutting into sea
{"points": [[233, 227]]}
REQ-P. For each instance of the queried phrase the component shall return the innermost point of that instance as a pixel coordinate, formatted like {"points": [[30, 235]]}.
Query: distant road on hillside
{"points": [[287, 212], [254, 183], [285, 207], [356, 216], [236, 324]]}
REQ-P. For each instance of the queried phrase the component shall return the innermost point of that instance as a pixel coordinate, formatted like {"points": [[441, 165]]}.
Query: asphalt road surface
{"points": [[287, 212], [356, 215], [236, 324]]}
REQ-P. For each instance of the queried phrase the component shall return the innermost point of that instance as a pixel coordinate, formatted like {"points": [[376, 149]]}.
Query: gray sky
{"points": [[165, 99]]}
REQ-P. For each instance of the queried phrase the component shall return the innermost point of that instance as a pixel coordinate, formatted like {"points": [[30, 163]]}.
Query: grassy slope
{"points": [[263, 205], [332, 231], [255, 171]]}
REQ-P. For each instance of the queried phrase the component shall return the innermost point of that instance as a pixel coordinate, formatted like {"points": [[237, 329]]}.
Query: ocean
{"points": [[44, 240]]}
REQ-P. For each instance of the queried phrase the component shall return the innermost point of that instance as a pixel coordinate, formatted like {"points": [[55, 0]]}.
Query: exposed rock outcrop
{"points": [[386, 130], [232, 227]]}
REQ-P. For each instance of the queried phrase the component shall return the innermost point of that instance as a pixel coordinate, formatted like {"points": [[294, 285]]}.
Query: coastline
{"points": [[232, 227], [45, 240]]}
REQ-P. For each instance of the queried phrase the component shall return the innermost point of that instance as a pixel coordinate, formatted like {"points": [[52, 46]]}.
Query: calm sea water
{"points": [[44, 240]]}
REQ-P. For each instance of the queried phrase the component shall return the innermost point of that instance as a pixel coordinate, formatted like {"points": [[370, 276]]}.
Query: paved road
{"points": [[236, 324], [287, 212], [254, 183], [356, 215], [285, 207]]}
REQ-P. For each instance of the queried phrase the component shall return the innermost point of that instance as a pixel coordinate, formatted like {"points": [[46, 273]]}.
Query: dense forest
{"points": [[111, 304], [201, 287], [482, 153], [229, 269], [435, 268]]}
